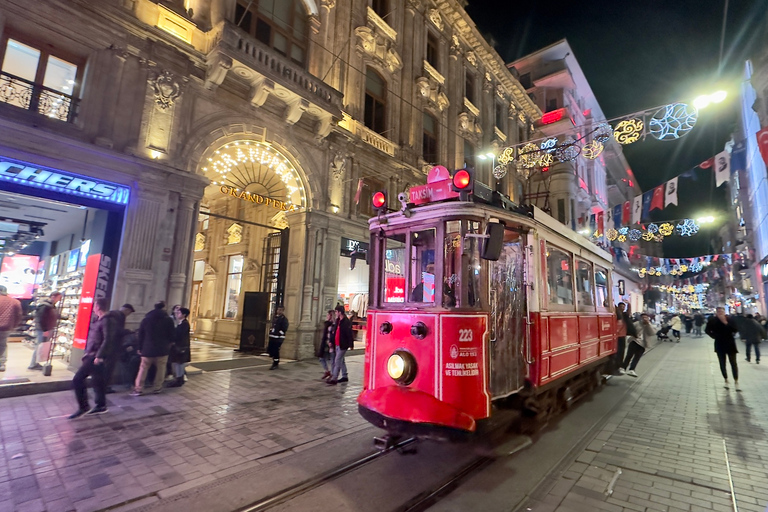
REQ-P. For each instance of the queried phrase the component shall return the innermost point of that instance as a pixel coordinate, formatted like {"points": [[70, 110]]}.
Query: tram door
{"points": [[508, 314]]}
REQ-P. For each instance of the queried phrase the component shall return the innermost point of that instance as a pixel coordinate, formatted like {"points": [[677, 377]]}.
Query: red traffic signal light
{"points": [[463, 183], [379, 201]]}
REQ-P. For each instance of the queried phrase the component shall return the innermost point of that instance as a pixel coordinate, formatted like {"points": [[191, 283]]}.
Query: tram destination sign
{"points": [[431, 192], [55, 180]]}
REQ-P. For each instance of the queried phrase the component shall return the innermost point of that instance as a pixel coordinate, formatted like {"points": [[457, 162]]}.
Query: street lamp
{"points": [[706, 99], [492, 156], [706, 220]]}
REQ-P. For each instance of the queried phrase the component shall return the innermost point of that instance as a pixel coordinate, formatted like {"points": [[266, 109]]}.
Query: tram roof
{"points": [[529, 216]]}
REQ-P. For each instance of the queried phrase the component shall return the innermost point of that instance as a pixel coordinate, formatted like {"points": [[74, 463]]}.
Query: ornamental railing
{"points": [[28, 95]]}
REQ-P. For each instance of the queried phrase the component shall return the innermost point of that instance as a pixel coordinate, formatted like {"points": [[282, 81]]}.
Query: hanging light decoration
{"points": [[602, 133], [549, 145], [592, 150], [673, 121], [499, 171], [529, 156], [628, 131]]}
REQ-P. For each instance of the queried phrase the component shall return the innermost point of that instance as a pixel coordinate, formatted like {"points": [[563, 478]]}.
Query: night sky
{"points": [[639, 55]]}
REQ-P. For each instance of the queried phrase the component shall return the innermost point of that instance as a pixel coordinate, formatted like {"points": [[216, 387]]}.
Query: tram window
{"points": [[452, 262], [584, 283], [601, 287], [559, 278], [473, 266], [394, 268], [422, 266]]}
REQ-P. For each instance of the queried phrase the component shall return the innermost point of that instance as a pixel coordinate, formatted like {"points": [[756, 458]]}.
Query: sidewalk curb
{"points": [[33, 388]]}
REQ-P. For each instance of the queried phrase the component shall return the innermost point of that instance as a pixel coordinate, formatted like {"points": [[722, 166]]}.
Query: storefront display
{"points": [[353, 284]]}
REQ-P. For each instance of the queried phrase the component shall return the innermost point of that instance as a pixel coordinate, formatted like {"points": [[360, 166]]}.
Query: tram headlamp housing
{"points": [[401, 367]]}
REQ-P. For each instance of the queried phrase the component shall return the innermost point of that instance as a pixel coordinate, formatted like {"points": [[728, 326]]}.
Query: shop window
{"points": [[394, 268], [601, 287], [35, 80], [375, 101], [422, 266], [469, 154], [559, 276], [433, 51], [584, 284], [234, 282], [279, 24], [469, 86], [429, 141], [452, 264]]}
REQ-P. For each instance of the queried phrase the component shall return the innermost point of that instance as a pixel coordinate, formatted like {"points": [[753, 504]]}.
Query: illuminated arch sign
{"points": [[35, 176]]}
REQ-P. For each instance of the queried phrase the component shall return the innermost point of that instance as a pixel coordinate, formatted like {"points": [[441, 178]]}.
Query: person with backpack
{"points": [[46, 318]]}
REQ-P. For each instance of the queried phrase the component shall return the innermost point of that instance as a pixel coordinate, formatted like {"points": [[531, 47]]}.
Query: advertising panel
{"points": [[18, 275], [84, 309]]}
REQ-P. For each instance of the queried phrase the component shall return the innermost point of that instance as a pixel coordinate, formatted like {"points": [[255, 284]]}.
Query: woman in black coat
{"points": [[323, 351], [180, 355], [721, 328]]}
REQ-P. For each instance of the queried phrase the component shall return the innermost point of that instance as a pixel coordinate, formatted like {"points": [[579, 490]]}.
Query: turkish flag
{"points": [[626, 211], [706, 164], [762, 142], [658, 198]]}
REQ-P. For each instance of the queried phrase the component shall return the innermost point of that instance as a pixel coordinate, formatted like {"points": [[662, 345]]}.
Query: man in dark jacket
{"points": [[155, 338], [753, 333], [721, 328], [46, 318], [277, 336], [100, 348], [343, 339], [120, 315]]}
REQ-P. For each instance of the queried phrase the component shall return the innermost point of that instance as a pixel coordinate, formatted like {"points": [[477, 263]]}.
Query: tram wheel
{"points": [[566, 397]]}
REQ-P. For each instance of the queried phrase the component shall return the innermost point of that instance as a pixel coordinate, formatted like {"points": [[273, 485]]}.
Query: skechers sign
{"points": [[60, 181]]}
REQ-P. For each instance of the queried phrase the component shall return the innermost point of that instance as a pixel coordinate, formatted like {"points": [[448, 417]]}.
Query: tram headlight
{"points": [[401, 367]]}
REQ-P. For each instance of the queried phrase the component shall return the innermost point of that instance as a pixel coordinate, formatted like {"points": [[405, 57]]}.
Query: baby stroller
{"points": [[663, 333]]}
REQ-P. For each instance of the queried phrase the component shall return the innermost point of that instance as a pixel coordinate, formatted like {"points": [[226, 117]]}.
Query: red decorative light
{"points": [[544, 169], [587, 112], [379, 199], [553, 116], [461, 179]]}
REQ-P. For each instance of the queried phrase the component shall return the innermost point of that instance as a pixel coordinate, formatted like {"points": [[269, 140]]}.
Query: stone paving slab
{"points": [[677, 443], [217, 424]]}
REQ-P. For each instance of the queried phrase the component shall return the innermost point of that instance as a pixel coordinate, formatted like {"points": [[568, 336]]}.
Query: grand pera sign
{"points": [[258, 199]]}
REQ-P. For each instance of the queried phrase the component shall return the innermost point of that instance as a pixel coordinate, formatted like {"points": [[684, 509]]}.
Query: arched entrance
{"points": [[240, 244]]}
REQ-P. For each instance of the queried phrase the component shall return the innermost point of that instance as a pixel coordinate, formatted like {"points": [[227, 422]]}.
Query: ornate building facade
{"points": [[251, 135]]}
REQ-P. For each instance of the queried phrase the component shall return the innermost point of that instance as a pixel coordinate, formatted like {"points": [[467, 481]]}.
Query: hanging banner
{"points": [[722, 168], [617, 216], [762, 143], [670, 197], [626, 212], [647, 205], [637, 209], [658, 198], [609, 218]]}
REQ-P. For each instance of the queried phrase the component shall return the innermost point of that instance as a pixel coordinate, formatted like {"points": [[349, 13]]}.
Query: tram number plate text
{"points": [[465, 335]]}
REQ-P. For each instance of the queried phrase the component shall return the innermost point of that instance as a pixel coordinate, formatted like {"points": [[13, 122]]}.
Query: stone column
{"points": [[182, 246]]}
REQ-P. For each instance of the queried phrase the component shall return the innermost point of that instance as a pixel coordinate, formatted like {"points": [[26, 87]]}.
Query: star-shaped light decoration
{"points": [[622, 238], [624, 230], [683, 268], [635, 234], [602, 133]]}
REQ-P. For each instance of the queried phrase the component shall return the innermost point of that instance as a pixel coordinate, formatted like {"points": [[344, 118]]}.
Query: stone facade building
{"points": [[251, 135]]}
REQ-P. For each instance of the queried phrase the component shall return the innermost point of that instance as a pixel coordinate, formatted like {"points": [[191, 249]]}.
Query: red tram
{"points": [[477, 301]]}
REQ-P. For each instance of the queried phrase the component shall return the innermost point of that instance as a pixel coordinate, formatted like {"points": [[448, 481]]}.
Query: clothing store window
{"points": [[559, 278], [375, 102], [234, 281], [353, 278]]}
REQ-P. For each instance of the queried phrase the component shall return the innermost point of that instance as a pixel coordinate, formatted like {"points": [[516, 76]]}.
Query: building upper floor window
{"points": [[280, 24], [433, 50], [501, 115], [375, 101], [381, 8], [551, 104], [525, 80], [469, 86], [469, 154], [34, 79], [429, 141]]}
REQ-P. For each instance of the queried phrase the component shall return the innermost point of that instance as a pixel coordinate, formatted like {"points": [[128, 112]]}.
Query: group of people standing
{"points": [[338, 337], [160, 336]]}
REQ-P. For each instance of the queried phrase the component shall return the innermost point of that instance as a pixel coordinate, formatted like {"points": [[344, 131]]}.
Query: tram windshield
{"points": [[422, 264]]}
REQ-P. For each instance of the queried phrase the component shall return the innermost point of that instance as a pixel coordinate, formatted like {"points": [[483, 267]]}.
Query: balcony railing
{"points": [[28, 95]]}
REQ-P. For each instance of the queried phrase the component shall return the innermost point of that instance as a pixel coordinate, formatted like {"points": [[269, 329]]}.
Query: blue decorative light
{"points": [[549, 145], [623, 230], [687, 227], [673, 121], [652, 228], [635, 234]]}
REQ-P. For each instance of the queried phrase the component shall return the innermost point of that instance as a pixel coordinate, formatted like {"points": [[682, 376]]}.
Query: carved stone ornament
{"points": [[500, 91], [436, 19], [393, 60], [422, 85], [488, 83], [235, 234], [199, 242], [330, 4], [366, 39], [251, 264], [432, 93], [472, 58], [167, 89], [442, 101], [279, 220], [512, 110], [379, 47], [455, 46], [464, 122], [338, 166], [209, 270]]}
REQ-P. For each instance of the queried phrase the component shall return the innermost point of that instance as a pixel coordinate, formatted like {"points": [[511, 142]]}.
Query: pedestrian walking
{"points": [[46, 317], [343, 339], [698, 321], [155, 336], [10, 317], [277, 336], [180, 351], [676, 324], [721, 328], [120, 315], [638, 345], [324, 350], [100, 347], [688, 324], [753, 333], [624, 328]]}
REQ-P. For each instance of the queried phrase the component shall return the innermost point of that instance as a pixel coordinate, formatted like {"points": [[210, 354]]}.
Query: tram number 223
{"points": [[465, 335]]}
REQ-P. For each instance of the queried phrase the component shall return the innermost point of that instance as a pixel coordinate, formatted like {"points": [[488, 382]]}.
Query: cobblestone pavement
{"points": [[677, 443], [216, 424]]}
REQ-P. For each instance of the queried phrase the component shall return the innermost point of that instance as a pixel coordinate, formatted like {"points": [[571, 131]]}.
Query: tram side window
{"points": [[601, 287], [452, 262], [559, 277], [472, 255], [584, 284], [394, 268], [422, 264]]}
